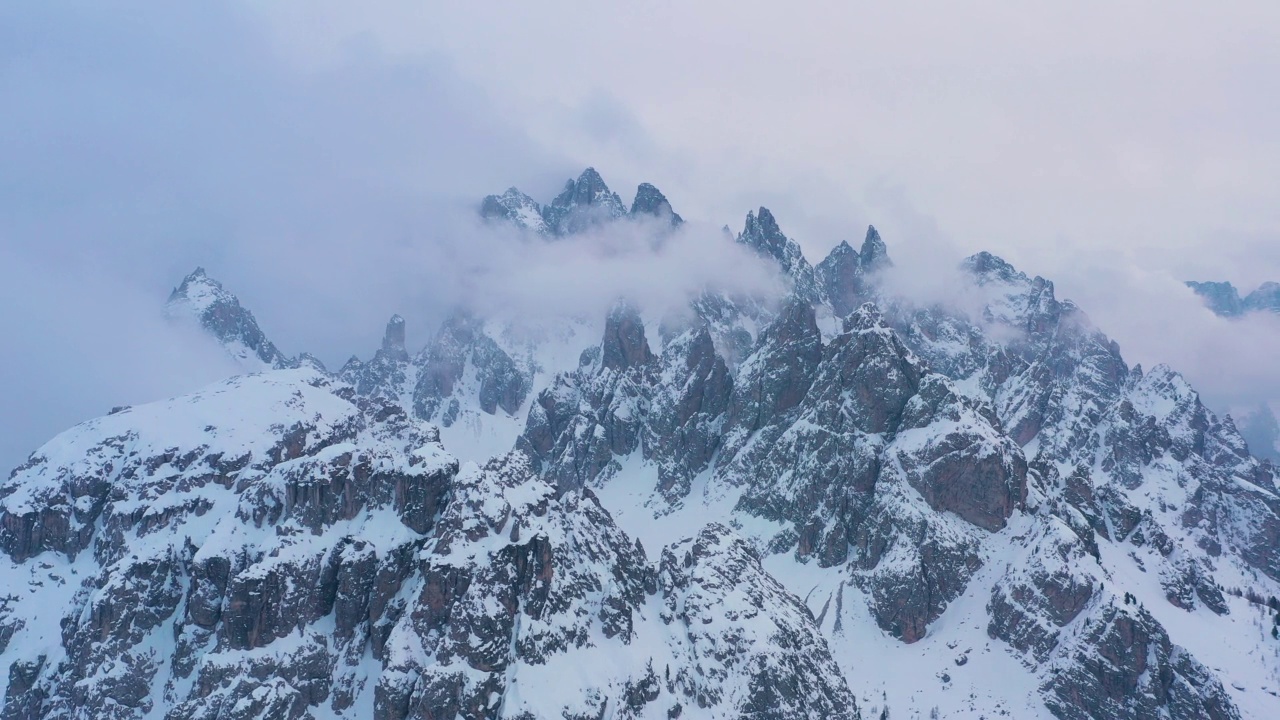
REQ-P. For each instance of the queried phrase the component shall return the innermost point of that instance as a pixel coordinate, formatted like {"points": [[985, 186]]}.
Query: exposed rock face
{"points": [[874, 255], [344, 566], [1266, 298], [393, 340], [687, 411], [385, 375], [1123, 666], [847, 277], [651, 202], [203, 299], [577, 427], [897, 451], [776, 377], [462, 352], [990, 478], [762, 234], [862, 409], [1221, 297], [841, 280], [204, 557], [1224, 299], [703, 576], [877, 421], [584, 203], [516, 208]]}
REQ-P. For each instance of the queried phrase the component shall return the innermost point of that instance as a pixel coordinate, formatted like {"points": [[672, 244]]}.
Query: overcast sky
{"points": [[316, 155]]}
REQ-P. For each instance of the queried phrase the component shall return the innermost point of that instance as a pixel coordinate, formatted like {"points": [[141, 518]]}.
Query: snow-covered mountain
{"points": [[840, 503]]}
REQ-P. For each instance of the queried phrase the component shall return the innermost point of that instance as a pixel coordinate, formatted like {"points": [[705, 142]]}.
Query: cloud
{"points": [[78, 342], [504, 274], [326, 194], [323, 160], [138, 144], [1157, 319]]}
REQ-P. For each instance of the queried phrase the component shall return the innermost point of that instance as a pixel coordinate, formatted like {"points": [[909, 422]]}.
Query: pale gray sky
{"points": [[316, 155], [1094, 125]]}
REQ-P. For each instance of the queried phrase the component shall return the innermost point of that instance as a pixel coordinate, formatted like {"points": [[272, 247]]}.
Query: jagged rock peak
{"points": [[624, 345], [197, 286], [515, 207], [1221, 297], [762, 233], [585, 203], [588, 190], [1225, 300], [1266, 297], [986, 267], [650, 201], [874, 254], [393, 339], [868, 318], [844, 249], [840, 276], [204, 300]]}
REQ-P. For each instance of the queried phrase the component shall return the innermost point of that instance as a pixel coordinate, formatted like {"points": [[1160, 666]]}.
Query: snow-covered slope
{"points": [[833, 504], [279, 546]]}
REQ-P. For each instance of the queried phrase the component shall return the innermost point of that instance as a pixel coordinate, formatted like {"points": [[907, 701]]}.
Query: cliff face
{"points": [[837, 504]]}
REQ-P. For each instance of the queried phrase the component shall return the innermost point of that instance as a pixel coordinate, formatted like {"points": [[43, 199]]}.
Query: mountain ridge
{"points": [[853, 503]]}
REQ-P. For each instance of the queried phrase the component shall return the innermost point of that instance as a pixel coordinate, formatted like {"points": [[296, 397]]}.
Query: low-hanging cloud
{"points": [[329, 190], [1233, 362], [327, 196], [1147, 308], [137, 145], [503, 273]]}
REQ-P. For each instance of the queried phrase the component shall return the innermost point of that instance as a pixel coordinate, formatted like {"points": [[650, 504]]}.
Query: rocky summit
{"points": [[838, 503]]}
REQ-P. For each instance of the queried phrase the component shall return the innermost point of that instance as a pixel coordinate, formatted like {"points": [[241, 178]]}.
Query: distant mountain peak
{"points": [[393, 339], [204, 300], [1266, 297], [874, 254], [1225, 300], [516, 208], [986, 267], [1221, 297], [585, 203], [650, 201]]}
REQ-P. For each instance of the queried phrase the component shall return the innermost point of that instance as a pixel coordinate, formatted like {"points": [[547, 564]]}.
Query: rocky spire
{"points": [[840, 277], [624, 344], [762, 234], [393, 339], [874, 255], [650, 201]]}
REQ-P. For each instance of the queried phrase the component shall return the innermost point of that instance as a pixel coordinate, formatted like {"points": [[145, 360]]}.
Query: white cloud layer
{"points": [[323, 159]]}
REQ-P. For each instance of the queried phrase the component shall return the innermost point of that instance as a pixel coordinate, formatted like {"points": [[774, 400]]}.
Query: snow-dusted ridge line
{"points": [[842, 502], [322, 555]]}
